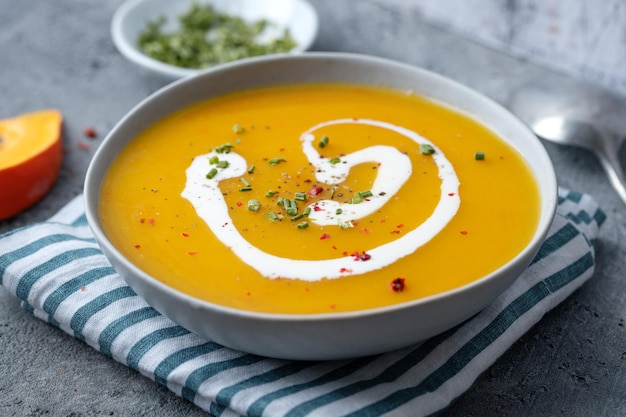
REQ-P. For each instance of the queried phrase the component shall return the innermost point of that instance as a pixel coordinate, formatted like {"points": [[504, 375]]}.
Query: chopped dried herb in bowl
{"points": [[207, 37]]}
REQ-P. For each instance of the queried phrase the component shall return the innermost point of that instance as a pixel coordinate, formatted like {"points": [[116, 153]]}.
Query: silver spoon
{"points": [[578, 115]]}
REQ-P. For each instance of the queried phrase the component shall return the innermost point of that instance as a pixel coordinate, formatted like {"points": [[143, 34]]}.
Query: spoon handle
{"points": [[612, 166]]}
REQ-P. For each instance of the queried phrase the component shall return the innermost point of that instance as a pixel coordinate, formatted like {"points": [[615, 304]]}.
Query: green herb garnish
{"points": [[426, 149], [224, 148], [275, 161], [479, 156], [254, 205], [212, 173], [207, 37]]}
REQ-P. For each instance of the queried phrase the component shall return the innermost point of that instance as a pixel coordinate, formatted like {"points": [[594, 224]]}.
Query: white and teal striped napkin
{"points": [[62, 277]]}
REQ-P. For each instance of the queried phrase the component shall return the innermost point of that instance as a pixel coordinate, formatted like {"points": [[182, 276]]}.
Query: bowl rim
{"points": [[545, 220], [127, 47]]}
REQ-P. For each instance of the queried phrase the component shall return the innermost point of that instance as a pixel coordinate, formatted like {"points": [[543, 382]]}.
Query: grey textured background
{"points": [[59, 54]]}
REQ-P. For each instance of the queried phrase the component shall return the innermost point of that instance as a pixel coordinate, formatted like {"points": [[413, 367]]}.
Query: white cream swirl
{"points": [[395, 169]]}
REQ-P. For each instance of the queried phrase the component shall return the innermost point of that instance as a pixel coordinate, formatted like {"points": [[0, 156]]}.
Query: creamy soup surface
{"points": [[318, 198]]}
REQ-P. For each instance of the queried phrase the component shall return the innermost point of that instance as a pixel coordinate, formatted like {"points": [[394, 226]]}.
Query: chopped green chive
{"points": [[225, 148], [245, 189], [273, 217], [307, 211], [334, 161], [300, 196], [365, 194], [281, 201], [254, 205], [303, 225], [338, 211], [479, 156], [357, 199], [291, 207], [323, 142], [297, 217], [212, 173], [251, 169], [426, 149], [245, 182], [333, 190], [270, 193], [346, 225], [275, 161], [222, 164], [238, 129], [213, 160]]}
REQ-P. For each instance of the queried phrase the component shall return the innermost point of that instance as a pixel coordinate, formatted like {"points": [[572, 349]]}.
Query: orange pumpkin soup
{"points": [[318, 198]]}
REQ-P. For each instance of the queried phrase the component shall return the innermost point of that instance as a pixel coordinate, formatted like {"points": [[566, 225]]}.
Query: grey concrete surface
{"points": [[59, 54]]}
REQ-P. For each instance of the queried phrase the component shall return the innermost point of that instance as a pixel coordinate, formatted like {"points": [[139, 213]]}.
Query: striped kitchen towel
{"points": [[62, 277]]}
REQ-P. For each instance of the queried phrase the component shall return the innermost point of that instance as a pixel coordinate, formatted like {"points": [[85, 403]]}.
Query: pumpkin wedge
{"points": [[30, 159]]}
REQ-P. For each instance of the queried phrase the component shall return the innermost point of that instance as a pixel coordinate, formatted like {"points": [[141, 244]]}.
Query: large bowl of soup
{"points": [[321, 206]]}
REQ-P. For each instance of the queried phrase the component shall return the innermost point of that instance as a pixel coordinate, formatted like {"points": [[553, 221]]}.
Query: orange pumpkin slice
{"points": [[30, 159]]}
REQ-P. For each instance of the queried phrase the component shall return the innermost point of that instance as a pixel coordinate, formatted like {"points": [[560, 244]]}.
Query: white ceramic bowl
{"points": [[131, 18], [322, 336]]}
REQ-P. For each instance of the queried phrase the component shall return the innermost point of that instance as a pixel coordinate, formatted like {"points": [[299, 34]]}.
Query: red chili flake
{"points": [[355, 254], [142, 220], [239, 203], [354, 223], [83, 288], [334, 247], [193, 253], [317, 208], [395, 232], [282, 149], [333, 306], [345, 270], [248, 293], [345, 253], [397, 284], [400, 226], [316, 190], [463, 232], [84, 146], [90, 132], [137, 246], [325, 236], [151, 221], [451, 194], [225, 224], [366, 231], [365, 256], [186, 234], [383, 220]]}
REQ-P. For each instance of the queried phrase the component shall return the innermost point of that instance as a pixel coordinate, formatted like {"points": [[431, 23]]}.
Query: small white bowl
{"points": [[131, 19], [334, 335]]}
